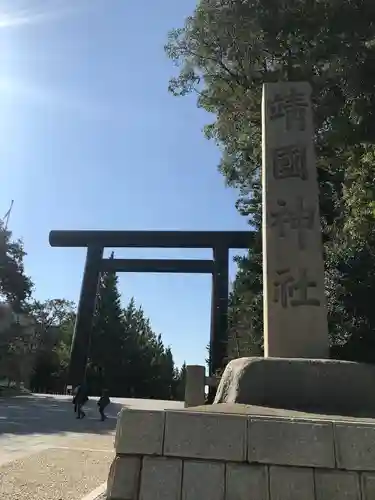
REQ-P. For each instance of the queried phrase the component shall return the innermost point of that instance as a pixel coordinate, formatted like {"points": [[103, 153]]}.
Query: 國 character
{"points": [[289, 162]]}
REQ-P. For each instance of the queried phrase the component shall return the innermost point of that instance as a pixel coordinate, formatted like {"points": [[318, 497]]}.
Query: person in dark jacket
{"points": [[80, 398], [103, 403]]}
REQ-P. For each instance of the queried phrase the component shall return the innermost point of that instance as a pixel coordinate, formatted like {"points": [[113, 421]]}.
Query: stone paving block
{"points": [[291, 483], [161, 479], [368, 486], [290, 442], [203, 480], [337, 485], [209, 436], [140, 432], [355, 446], [123, 478], [246, 482]]}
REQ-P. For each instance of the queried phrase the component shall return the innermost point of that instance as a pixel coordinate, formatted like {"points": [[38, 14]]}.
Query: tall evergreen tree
{"points": [[127, 357], [180, 381], [153, 367], [226, 51], [104, 369]]}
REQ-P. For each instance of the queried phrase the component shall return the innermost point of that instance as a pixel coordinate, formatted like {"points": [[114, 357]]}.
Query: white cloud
{"points": [[15, 13]]}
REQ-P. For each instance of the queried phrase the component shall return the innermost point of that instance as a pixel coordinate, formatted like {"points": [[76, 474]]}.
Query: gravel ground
{"points": [[45, 453], [54, 474]]}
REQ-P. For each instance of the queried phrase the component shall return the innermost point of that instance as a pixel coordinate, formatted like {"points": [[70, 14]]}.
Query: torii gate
{"points": [[96, 241]]}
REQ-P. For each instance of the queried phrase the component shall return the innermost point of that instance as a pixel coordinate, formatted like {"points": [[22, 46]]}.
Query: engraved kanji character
{"points": [[299, 219], [286, 287], [290, 161], [292, 106]]}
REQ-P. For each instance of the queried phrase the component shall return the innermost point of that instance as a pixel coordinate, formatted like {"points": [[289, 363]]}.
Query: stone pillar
{"points": [[85, 315], [295, 317], [219, 313], [194, 385]]}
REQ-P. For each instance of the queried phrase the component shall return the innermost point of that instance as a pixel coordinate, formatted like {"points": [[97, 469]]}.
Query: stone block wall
{"points": [[187, 455]]}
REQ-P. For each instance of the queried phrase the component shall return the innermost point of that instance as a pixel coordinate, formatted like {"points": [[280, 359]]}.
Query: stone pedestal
{"points": [[312, 385]]}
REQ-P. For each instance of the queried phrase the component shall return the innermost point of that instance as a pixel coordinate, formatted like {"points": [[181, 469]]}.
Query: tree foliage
{"points": [[18, 340], [127, 357], [55, 320], [15, 285], [19, 343], [225, 52]]}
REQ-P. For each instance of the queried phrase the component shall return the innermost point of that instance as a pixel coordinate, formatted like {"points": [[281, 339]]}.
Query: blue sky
{"points": [[91, 139]]}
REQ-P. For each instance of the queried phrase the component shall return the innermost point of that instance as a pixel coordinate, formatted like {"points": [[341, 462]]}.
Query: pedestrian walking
{"points": [[103, 402], [74, 400], [79, 399]]}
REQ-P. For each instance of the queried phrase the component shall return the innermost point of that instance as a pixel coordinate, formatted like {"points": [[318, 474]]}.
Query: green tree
{"points": [[153, 370], [55, 323], [180, 381], [15, 286], [51, 313], [106, 364], [226, 51], [126, 355], [19, 342]]}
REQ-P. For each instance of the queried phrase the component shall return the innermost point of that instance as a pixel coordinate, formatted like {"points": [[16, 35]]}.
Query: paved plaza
{"points": [[45, 453]]}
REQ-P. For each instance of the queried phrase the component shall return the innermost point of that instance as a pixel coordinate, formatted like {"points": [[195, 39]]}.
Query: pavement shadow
{"points": [[43, 414]]}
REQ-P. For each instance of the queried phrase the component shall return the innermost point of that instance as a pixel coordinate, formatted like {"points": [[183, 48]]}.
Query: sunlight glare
{"points": [[18, 88]]}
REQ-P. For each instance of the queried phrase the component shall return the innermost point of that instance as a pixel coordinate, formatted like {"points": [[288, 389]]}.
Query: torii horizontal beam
{"points": [[152, 239], [158, 266]]}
